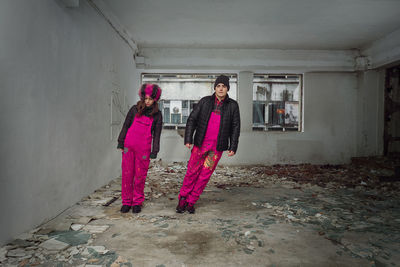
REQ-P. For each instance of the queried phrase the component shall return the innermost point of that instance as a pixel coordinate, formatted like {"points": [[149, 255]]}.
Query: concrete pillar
{"points": [[245, 100]]}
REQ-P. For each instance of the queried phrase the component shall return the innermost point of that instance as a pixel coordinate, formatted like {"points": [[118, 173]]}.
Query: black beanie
{"points": [[222, 79]]}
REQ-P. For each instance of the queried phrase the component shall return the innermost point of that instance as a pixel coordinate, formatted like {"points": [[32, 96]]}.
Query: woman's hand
{"points": [[188, 145]]}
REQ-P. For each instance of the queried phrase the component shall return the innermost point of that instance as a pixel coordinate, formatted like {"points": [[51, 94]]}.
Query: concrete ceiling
{"points": [[266, 24]]}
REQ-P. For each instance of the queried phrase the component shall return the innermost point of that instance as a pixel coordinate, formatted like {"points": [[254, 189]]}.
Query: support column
{"points": [[245, 100]]}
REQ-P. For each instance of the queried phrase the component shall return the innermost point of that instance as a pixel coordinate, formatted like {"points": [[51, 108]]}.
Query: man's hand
{"points": [[188, 145], [231, 153]]}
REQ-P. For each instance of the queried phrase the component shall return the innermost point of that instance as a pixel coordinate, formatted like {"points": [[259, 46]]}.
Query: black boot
{"points": [[136, 209], [125, 208], [181, 205], [190, 208]]}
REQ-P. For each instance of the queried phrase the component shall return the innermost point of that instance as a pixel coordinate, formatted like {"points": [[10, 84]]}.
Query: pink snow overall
{"points": [[135, 160], [202, 163]]}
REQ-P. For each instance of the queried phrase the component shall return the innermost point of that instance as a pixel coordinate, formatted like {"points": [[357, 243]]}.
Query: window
{"points": [[277, 102], [181, 92]]}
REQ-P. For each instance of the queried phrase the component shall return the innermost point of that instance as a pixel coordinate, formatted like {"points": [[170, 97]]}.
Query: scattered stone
{"points": [[44, 231], [96, 229], [250, 247], [73, 238], [164, 225], [16, 253], [57, 225], [77, 227], [24, 262], [3, 253], [99, 249], [82, 220], [21, 243], [85, 252], [74, 251], [53, 244], [291, 217], [332, 200], [25, 236]]}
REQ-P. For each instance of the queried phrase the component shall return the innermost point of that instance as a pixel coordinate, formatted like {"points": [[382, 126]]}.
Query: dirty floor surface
{"points": [[282, 215]]}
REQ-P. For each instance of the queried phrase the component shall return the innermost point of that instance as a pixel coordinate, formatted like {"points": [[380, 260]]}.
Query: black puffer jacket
{"points": [[229, 129], [156, 128]]}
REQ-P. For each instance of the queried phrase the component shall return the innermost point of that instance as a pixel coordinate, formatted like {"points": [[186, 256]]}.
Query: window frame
{"points": [[265, 127]]}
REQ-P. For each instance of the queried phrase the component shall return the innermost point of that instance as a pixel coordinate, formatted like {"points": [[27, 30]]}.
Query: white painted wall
{"points": [[58, 67]]}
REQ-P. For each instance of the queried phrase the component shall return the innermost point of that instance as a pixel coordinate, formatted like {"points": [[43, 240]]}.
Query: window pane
{"points": [[258, 112], [167, 115], [276, 101]]}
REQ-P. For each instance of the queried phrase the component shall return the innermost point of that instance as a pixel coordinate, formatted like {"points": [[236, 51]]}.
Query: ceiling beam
{"points": [[249, 59], [384, 51]]}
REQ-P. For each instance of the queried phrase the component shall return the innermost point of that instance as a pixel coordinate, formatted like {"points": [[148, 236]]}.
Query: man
{"points": [[216, 121]]}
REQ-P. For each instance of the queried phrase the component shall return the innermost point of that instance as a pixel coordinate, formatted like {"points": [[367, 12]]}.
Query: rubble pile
{"points": [[336, 201], [361, 173], [65, 248]]}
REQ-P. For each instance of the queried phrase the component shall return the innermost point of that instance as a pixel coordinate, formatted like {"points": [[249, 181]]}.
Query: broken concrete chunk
{"points": [[291, 217], [3, 253], [98, 249], [25, 236], [100, 202], [53, 244], [77, 227], [73, 238], [82, 220], [147, 189], [85, 252], [96, 229], [21, 243], [16, 253]]}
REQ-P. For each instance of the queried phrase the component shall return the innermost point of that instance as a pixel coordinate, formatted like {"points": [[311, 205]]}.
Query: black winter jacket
{"points": [[155, 130], [229, 129]]}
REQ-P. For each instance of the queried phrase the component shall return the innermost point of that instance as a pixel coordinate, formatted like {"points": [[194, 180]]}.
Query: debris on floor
{"points": [[349, 206]]}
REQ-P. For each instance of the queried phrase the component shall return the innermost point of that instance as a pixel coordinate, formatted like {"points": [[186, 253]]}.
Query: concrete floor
{"points": [[281, 223]]}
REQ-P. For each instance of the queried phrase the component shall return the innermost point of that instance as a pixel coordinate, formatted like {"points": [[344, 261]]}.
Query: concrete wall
{"points": [[58, 69], [329, 133], [370, 112]]}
